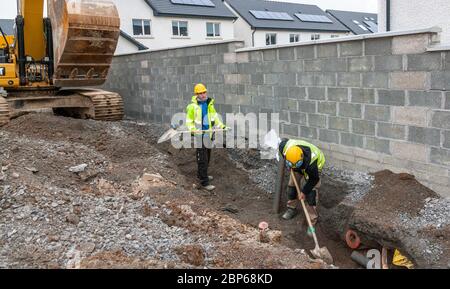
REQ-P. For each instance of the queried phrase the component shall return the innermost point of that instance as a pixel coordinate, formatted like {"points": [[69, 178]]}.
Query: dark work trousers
{"points": [[203, 158]]}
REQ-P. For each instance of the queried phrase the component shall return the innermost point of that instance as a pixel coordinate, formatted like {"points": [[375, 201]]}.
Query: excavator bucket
{"points": [[85, 36]]}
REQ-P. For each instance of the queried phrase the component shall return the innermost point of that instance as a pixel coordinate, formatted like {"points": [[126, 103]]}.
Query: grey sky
{"points": [[8, 9]]}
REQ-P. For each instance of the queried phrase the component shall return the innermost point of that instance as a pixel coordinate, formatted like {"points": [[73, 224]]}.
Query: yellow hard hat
{"points": [[200, 88], [294, 157]]}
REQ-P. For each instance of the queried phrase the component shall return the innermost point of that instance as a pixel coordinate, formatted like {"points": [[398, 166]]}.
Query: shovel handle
{"points": [[308, 218]]}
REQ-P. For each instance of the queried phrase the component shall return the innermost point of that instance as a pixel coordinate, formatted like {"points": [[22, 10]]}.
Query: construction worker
{"points": [[200, 116], [307, 162]]}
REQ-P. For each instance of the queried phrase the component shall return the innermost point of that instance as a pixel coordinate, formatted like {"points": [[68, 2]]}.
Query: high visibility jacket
{"points": [[194, 115], [316, 153]]}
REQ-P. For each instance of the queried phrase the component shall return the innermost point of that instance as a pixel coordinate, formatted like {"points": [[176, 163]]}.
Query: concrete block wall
{"points": [[371, 103]]}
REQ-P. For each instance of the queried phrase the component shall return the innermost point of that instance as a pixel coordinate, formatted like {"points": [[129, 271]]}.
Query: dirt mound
{"points": [[106, 215], [398, 212]]}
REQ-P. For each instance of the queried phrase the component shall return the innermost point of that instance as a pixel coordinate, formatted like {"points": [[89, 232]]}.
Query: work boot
{"points": [[209, 187], [210, 178], [290, 213]]}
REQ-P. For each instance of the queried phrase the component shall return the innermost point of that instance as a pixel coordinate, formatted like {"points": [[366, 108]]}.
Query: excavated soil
{"points": [[109, 216]]}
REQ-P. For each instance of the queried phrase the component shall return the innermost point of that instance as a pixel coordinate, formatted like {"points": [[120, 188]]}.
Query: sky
{"points": [[8, 10]]}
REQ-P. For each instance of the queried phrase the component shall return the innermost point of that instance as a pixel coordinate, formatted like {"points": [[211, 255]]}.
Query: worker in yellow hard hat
{"points": [[307, 162], [200, 116]]}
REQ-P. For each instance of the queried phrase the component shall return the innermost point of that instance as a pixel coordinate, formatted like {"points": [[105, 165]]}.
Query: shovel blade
{"points": [[322, 253]]}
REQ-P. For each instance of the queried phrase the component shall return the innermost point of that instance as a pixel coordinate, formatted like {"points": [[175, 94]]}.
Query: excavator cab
{"points": [[73, 48]]}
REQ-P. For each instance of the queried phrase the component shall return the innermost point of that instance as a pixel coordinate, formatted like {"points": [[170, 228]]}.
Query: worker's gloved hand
{"points": [[301, 196]]}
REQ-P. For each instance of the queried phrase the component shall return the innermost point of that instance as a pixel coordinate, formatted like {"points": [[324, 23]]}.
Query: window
{"points": [[180, 28], [363, 27], [212, 29], [334, 36], [356, 21], [315, 36], [271, 39], [294, 38], [141, 27]]}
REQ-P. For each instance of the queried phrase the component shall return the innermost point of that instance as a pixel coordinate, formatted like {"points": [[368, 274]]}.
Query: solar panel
{"points": [[206, 3], [372, 26], [270, 15], [313, 18]]}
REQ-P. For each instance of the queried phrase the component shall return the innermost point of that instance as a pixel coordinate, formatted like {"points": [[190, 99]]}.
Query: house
{"points": [[7, 26], [159, 24], [263, 23], [357, 22], [415, 14]]}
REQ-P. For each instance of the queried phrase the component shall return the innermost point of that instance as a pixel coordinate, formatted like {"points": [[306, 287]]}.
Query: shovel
{"points": [[173, 132], [317, 252]]}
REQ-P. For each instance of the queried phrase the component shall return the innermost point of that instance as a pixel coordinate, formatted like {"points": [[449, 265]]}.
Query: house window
{"points": [[180, 28], [271, 39], [315, 36], [212, 29], [294, 38], [334, 35], [141, 27]]}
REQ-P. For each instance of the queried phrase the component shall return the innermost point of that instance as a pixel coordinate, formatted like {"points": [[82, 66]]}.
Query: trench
{"points": [[239, 197]]}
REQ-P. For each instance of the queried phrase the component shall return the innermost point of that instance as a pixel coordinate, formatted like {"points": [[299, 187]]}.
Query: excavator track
{"points": [[105, 105], [4, 111]]}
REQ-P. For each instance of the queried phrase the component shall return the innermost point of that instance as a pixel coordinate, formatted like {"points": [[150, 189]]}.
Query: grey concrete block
{"points": [[286, 53], [307, 106], [432, 99], [270, 55], [424, 62], [289, 104], [349, 79], [308, 132], [375, 80], [365, 63], [389, 63], [317, 120], [441, 119], [256, 56], [327, 107], [391, 97], [446, 143], [329, 136], [447, 100], [327, 50], [352, 140], [316, 79], [364, 127], [305, 52], [338, 94], [429, 136], [257, 79], [297, 92], [339, 123], [361, 95], [295, 66], [440, 156], [326, 65], [280, 91], [275, 66], [378, 145], [290, 129], [378, 46], [440, 80], [377, 113], [351, 48], [393, 131], [298, 117], [350, 110], [410, 80], [316, 93], [251, 89]]}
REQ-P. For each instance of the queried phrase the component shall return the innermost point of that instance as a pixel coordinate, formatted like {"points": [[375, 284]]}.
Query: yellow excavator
{"points": [[51, 63]]}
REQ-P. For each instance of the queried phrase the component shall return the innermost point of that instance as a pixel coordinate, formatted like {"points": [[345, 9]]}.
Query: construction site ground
{"points": [[88, 194]]}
